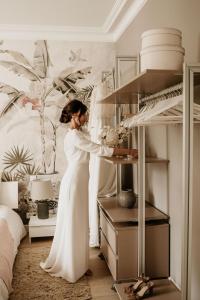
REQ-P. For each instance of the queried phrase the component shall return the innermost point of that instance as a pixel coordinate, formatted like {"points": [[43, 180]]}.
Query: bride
{"points": [[69, 254]]}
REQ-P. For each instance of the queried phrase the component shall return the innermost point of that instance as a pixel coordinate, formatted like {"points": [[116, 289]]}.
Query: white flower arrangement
{"points": [[114, 136]]}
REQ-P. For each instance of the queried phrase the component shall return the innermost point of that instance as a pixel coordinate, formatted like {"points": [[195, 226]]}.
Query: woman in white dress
{"points": [[69, 254]]}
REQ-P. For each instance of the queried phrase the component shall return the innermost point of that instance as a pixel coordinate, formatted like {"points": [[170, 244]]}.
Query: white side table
{"points": [[41, 227]]}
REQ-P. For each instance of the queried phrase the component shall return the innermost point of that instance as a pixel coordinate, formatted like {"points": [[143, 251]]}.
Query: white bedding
{"points": [[17, 231]]}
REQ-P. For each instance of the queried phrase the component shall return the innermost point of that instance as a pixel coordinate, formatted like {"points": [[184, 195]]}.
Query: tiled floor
{"points": [[100, 282]]}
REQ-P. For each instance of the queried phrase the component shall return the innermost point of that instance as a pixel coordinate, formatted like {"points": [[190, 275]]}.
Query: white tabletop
{"points": [[34, 221]]}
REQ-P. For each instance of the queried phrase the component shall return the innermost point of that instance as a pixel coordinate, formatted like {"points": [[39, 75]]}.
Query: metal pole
{"points": [[187, 182], [141, 200]]}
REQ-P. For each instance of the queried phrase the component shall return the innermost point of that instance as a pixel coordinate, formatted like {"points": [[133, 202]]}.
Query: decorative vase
{"points": [[42, 210], [127, 198]]}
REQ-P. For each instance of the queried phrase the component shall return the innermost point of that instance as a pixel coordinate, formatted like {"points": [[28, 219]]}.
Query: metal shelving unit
{"points": [[146, 83], [150, 82], [125, 161]]}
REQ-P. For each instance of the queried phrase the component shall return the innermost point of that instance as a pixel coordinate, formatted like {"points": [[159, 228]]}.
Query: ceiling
{"points": [[100, 20]]}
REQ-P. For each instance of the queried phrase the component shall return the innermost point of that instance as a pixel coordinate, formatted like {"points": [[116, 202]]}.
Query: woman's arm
{"points": [[101, 150], [125, 151]]}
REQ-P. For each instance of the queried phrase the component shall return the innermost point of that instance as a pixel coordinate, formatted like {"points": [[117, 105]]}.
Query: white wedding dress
{"points": [[69, 254]]}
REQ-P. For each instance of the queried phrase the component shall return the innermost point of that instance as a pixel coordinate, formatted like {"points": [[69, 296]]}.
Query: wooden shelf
{"points": [[119, 214], [147, 82], [164, 289], [125, 161]]}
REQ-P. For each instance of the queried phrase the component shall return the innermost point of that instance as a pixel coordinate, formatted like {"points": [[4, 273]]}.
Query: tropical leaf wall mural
{"points": [[44, 79]]}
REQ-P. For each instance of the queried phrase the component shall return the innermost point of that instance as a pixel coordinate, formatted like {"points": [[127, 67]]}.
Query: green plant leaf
{"points": [[20, 70]]}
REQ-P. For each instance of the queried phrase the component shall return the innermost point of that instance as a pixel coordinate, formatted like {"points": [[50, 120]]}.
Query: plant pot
{"points": [[161, 36], [127, 198], [164, 57]]}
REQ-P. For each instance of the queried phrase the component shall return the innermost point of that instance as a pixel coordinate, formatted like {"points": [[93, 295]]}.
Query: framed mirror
{"points": [[126, 68]]}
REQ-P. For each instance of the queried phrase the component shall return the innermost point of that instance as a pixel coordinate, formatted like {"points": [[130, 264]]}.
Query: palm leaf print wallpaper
{"points": [[37, 78]]}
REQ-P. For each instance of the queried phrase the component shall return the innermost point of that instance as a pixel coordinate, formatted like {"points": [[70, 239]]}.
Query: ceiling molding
{"points": [[54, 33], [117, 7], [129, 16], [75, 33]]}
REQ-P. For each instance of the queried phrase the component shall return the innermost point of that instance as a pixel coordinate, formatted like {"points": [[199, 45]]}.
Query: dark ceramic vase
{"points": [[42, 210], [127, 198]]}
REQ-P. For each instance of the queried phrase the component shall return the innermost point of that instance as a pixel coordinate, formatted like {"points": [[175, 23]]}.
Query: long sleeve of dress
{"points": [[85, 144]]}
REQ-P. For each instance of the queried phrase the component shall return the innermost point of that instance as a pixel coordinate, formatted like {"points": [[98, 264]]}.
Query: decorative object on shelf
{"points": [[127, 198], [41, 192], [113, 137], [160, 36], [161, 49]]}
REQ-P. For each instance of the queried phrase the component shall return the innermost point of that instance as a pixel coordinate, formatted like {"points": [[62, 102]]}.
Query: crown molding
{"points": [[117, 7], [75, 33], [69, 33], [129, 16]]}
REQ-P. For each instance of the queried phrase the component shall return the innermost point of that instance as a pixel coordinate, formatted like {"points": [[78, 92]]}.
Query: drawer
{"points": [[40, 231], [128, 253], [157, 250], [109, 256], [108, 231]]}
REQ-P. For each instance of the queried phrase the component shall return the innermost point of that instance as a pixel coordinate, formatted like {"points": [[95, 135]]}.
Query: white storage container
{"points": [[167, 36], [165, 57]]}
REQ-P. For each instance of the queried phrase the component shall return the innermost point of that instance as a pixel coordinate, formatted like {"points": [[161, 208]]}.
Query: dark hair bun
{"points": [[65, 116], [71, 108]]}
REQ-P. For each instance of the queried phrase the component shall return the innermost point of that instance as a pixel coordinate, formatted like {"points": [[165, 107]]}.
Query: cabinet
{"points": [[119, 240], [41, 227]]}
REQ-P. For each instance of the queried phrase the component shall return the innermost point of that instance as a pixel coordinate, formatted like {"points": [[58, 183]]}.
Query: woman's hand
{"points": [[133, 152], [125, 151]]}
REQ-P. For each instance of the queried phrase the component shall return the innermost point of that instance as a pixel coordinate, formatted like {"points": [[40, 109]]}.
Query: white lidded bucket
{"points": [[164, 57], [161, 36]]}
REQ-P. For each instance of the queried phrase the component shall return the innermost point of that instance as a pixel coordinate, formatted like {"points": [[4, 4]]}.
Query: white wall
{"points": [[181, 14], [165, 187]]}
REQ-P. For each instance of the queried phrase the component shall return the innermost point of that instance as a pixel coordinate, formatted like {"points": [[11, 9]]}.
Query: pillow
{"points": [[15, 224]]}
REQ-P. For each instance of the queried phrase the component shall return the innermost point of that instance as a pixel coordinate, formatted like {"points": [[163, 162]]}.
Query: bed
{"points": [[12, 231]]}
